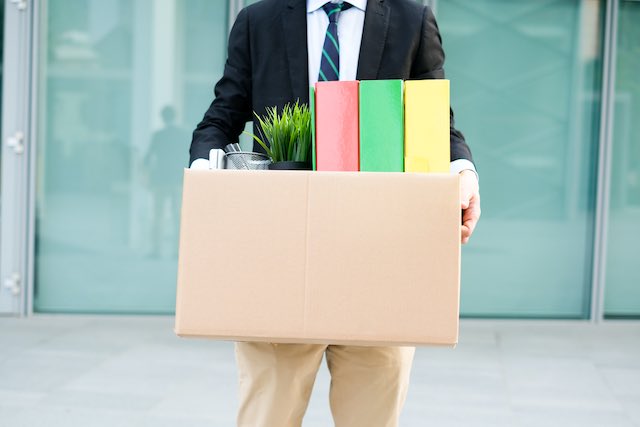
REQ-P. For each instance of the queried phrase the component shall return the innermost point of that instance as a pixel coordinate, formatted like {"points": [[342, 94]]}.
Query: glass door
{"points": [[622, 292], [525, 87], [121, 86]]}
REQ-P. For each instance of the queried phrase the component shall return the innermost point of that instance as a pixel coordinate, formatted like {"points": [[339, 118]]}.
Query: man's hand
{"points": [[469, 203]]}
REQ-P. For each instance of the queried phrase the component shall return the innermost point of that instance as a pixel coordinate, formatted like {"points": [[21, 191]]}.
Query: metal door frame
{"points": [[17, 141], [603, 191]]}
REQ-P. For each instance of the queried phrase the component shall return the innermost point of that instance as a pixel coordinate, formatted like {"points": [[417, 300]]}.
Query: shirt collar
{"points": [[313, 5]]}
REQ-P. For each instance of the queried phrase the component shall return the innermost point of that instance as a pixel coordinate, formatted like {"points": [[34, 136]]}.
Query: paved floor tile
{"points": [[133, 371]]}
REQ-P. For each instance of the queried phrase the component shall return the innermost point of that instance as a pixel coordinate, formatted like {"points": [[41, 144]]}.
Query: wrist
{"points": [[469, 172]]}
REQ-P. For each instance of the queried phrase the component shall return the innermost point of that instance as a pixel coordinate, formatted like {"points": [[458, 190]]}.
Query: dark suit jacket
{"points": [[267, 63]]}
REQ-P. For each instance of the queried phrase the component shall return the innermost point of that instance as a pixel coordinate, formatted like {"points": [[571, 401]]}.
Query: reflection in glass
{"points": [[163, 164], [623, 276], [122, 84], [525, 87]]}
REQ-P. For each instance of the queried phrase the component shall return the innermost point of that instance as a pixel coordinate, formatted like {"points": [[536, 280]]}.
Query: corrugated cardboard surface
{"points": [[319, 257]]}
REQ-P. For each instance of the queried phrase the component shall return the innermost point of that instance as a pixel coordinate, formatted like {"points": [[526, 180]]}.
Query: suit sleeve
{"points": [[231, 108], [429, 64]]}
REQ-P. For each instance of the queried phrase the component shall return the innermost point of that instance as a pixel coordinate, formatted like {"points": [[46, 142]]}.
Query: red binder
{"points": [[337, 126]]}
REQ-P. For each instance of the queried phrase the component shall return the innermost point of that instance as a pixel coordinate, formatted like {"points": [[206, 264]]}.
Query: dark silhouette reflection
{"points": [[164, 163]]}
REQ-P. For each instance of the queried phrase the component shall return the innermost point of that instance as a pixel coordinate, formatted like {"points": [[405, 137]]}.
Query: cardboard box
{"points": [[319, 257]]}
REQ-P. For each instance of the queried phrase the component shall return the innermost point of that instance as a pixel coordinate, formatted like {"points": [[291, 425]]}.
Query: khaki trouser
{"points": [[368, 384]]}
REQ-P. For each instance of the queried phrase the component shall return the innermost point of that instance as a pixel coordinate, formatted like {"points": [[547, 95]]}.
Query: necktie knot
{"points": [[333, 10]]}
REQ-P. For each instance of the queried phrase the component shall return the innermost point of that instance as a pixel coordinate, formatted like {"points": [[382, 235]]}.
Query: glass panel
{"points": [[622, 297], [123, 83], [525, 88]]}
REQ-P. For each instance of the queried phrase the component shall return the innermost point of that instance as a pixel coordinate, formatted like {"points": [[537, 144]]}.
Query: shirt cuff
{"points": [[460, 165], [200, 164]]}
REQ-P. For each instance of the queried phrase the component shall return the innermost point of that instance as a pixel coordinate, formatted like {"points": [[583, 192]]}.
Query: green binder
{"points": [[381, 126], [312, 110]]}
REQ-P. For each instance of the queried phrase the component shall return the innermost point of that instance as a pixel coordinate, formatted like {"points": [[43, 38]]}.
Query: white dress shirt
{"points": [[350, 25]]}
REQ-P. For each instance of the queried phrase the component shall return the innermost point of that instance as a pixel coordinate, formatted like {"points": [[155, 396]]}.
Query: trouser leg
{"points": [[275, 382], [368, 384]]}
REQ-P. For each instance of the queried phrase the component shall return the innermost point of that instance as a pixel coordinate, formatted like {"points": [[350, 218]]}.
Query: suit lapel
{"points": [[294, 27], [374, 36]]}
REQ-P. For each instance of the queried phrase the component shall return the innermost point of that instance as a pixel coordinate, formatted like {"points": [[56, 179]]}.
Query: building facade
{"points": [[99, 100]]}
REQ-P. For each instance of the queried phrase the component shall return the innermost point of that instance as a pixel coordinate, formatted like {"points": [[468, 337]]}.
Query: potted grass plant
{"points": [[286, 136]]}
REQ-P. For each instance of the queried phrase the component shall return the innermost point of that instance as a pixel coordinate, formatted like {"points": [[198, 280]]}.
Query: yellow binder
{"points": [[426, 126]]}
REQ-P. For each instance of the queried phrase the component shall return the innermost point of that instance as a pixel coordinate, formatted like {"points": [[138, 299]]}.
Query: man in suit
{"points": [[277, 49]]}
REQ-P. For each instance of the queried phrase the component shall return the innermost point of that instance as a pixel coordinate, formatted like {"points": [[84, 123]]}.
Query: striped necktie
{"points": [[330, 62]]}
